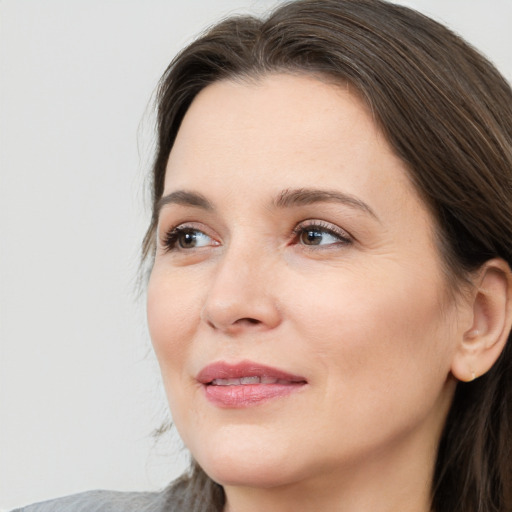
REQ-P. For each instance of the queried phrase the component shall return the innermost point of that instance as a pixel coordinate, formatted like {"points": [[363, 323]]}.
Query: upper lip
{"points": [[224, 370]]}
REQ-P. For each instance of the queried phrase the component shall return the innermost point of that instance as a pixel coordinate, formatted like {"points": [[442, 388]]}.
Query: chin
{"points": [[237, 460], [249, 473]]}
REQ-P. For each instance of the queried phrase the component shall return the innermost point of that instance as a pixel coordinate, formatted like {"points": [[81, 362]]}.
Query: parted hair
{"points": [[447, 113]]}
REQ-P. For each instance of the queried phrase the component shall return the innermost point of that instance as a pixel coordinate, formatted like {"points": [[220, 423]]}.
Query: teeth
{"points": [[247, 380], [250, 380], [226, 382]]}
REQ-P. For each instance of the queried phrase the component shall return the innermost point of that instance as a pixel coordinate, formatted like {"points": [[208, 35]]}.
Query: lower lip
{"points": [[237, 397]]}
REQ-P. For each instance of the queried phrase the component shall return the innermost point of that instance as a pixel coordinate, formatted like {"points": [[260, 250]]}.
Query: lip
{"points": [[273, 383]]}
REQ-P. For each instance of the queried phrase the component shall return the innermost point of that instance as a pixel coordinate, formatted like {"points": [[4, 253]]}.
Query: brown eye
{"points": [[187, 239], [311, 237], [183, 238], [318, 236]]}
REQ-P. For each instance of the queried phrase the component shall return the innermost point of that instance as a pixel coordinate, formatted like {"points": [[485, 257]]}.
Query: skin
{"points": [[367, 319]]}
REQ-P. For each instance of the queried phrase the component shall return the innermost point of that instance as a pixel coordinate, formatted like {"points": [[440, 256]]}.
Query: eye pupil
{"points": [[312, 237], [187, 239]]}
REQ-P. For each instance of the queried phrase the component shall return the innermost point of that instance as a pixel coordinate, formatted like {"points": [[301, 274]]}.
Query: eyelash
{"points": [[170, 239]]}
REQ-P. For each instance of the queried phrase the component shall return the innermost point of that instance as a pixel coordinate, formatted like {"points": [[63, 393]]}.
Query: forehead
{"points": [[280, 131], [226, 113]]}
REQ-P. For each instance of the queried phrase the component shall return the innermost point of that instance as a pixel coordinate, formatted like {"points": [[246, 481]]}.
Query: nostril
{"points": [[248, 320]]}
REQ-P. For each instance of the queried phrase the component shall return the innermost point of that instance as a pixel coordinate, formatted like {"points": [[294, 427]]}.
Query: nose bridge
{"points": [[240, 294]]}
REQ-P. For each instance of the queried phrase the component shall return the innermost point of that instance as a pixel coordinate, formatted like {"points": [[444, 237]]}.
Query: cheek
{"points": [[375, 325], [382, 351], [173, 313]]}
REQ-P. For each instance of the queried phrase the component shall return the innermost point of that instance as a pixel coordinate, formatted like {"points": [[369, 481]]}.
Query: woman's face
{"points": [[297, 304]]}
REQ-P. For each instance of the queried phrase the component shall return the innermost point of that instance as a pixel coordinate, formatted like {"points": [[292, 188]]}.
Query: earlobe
{"points": [[491, 321]]}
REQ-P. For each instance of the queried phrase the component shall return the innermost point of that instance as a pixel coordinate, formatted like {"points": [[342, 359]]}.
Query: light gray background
{"points": [[79, 388]]}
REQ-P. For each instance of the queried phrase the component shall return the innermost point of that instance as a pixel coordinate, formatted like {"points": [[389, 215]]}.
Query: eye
{"points": [[186, 237], [321, 234]]}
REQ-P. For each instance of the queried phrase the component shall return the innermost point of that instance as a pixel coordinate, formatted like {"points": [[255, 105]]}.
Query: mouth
{"points": [[246, 384], [244, 381]]}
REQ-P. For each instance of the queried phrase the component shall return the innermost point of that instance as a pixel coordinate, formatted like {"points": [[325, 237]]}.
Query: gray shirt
{"points": [[107, 501], [184, 495]]}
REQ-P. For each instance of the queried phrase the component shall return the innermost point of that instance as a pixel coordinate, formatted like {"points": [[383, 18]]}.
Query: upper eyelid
{"points": [[303, 223], [165, 228], [327, 226]]}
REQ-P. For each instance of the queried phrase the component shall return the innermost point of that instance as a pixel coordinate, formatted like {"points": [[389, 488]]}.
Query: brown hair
{"points": [[447, 112]]}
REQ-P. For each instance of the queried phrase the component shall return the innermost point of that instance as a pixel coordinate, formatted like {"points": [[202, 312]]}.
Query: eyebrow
{"points": [[184, 198], [288, 198], [305, 196]]}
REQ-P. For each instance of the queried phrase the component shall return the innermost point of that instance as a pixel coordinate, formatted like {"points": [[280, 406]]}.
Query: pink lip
{"points": [[246, 395]]}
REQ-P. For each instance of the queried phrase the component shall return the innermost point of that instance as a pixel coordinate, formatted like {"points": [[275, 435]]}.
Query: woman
{"points": [[329, 297]]}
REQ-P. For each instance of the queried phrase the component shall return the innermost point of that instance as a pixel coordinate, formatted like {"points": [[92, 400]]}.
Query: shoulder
{"points": [[111, 501]]}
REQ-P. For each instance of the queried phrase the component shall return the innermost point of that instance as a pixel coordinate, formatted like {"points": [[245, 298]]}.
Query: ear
{"points": [[490, 321]]}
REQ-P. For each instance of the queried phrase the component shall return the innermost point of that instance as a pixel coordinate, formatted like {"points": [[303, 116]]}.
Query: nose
{"points": [[241, 296]]}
